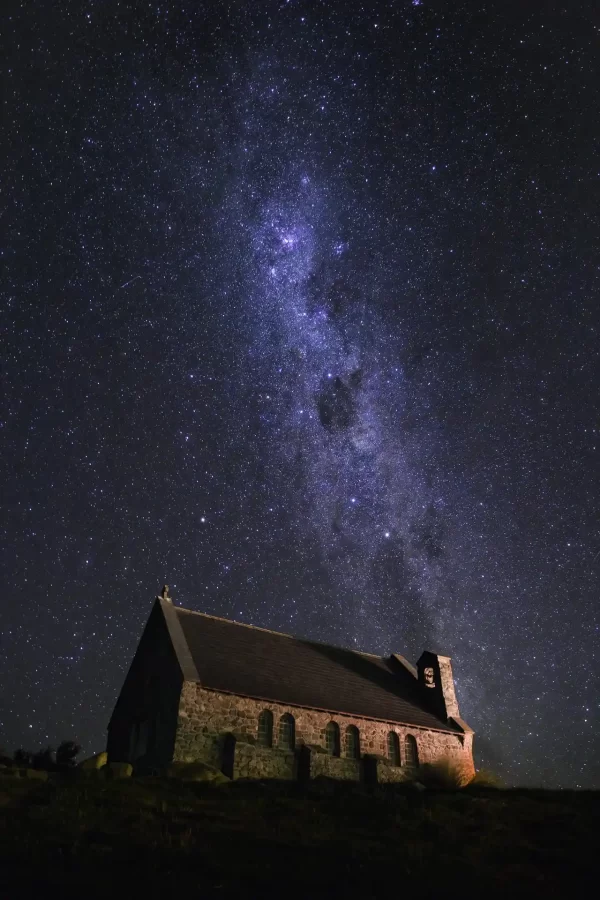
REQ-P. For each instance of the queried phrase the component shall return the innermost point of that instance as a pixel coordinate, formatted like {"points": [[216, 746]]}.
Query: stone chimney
{"points": [[436, 684]]}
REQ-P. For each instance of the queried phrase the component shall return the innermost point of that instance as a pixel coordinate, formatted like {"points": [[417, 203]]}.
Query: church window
{"points": [[411, 754], [393, 748], [287, 736], [352, 742], [332, 739], [265, 728]]}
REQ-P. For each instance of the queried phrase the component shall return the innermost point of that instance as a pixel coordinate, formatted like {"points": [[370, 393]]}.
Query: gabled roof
{"points": [[241, 659]]}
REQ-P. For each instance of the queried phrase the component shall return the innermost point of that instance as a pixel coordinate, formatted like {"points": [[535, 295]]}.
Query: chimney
{"points": [[436, 684]]}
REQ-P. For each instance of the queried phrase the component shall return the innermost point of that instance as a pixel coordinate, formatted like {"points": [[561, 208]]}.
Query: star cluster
{"points": [[302, 320]]}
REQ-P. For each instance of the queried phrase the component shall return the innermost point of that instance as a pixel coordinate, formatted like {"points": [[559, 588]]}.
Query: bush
{"points": [[66, 754], [22, 757], [44, 759], [485, 779], [5, 759], [443, 775]]}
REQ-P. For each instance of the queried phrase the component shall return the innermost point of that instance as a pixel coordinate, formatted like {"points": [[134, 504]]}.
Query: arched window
{"points": [[332, 739], [393, 748], [287, 735], [352, 742], [265, 728], [411, 754]]}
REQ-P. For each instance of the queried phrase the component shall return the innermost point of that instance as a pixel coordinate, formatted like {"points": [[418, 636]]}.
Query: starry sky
{"points": [[300, 305]]}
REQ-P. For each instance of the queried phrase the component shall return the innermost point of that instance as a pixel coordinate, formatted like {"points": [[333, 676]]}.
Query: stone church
{"points": [[260, 704]]}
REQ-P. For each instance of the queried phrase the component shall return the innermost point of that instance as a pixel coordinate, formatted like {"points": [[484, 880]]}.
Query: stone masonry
{"points": [[206, 717]]}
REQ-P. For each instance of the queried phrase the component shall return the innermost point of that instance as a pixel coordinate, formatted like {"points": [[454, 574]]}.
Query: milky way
{"points": [[302, 321], [333, 393]]}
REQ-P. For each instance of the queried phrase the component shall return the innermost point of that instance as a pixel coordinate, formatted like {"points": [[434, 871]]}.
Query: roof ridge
{"points": [[284, 634]]}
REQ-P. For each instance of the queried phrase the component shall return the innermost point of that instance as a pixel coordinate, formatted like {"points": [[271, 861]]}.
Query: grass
{"points": [[159, 835]]}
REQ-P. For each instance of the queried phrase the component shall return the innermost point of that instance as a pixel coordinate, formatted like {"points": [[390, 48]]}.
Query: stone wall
{"points": [[252, 761], [322, 765], [205, 717], [199, 746], [388, 774]]}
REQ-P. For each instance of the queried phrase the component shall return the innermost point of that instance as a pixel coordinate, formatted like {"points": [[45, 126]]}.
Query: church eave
{"points": [[180, 645]]}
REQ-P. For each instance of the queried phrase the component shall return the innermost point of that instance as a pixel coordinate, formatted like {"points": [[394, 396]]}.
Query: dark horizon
{"points": [[302, 320]]}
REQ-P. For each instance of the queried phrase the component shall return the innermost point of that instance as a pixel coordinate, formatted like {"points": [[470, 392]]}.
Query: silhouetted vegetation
{"points": [[443, 775], [485, 779], [46, 759], [66, 755], [22, 757], [156, 836]]}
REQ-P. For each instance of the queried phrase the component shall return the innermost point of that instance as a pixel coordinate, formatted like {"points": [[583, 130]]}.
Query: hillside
{"points": [[92, 835]]}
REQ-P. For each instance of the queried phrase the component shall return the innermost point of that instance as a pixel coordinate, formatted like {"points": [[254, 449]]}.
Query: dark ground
{"points": [[92, 837]]}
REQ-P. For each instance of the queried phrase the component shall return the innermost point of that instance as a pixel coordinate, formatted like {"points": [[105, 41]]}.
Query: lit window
{"points": [[265, 728], [411, 754], [332, 739], [287, 736], [393, 748], [352, 742]]}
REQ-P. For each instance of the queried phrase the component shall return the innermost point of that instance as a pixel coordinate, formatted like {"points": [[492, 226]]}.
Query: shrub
{"points": [[5, 759], [66, 753], [22, 757], [443, 775], [44, 759], [485, 779]]}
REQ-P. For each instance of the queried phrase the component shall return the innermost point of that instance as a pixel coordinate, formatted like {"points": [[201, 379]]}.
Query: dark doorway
{"points": [[228, 760], [369, 770], [304, 764]]}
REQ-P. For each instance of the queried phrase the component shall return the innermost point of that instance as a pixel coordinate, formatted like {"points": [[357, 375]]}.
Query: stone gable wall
{"points": [[205, 717], [143, 727]]}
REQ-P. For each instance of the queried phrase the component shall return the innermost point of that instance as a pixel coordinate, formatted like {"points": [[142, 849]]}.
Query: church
{"points": [[260, 704]]}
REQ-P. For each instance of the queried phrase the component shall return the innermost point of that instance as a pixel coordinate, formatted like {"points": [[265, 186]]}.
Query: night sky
{"points": [[302, 318]]}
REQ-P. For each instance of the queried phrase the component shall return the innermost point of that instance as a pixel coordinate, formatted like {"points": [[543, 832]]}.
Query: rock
{"points": [[119, 770], [94, 762], [196, 771], [35, 774]]}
